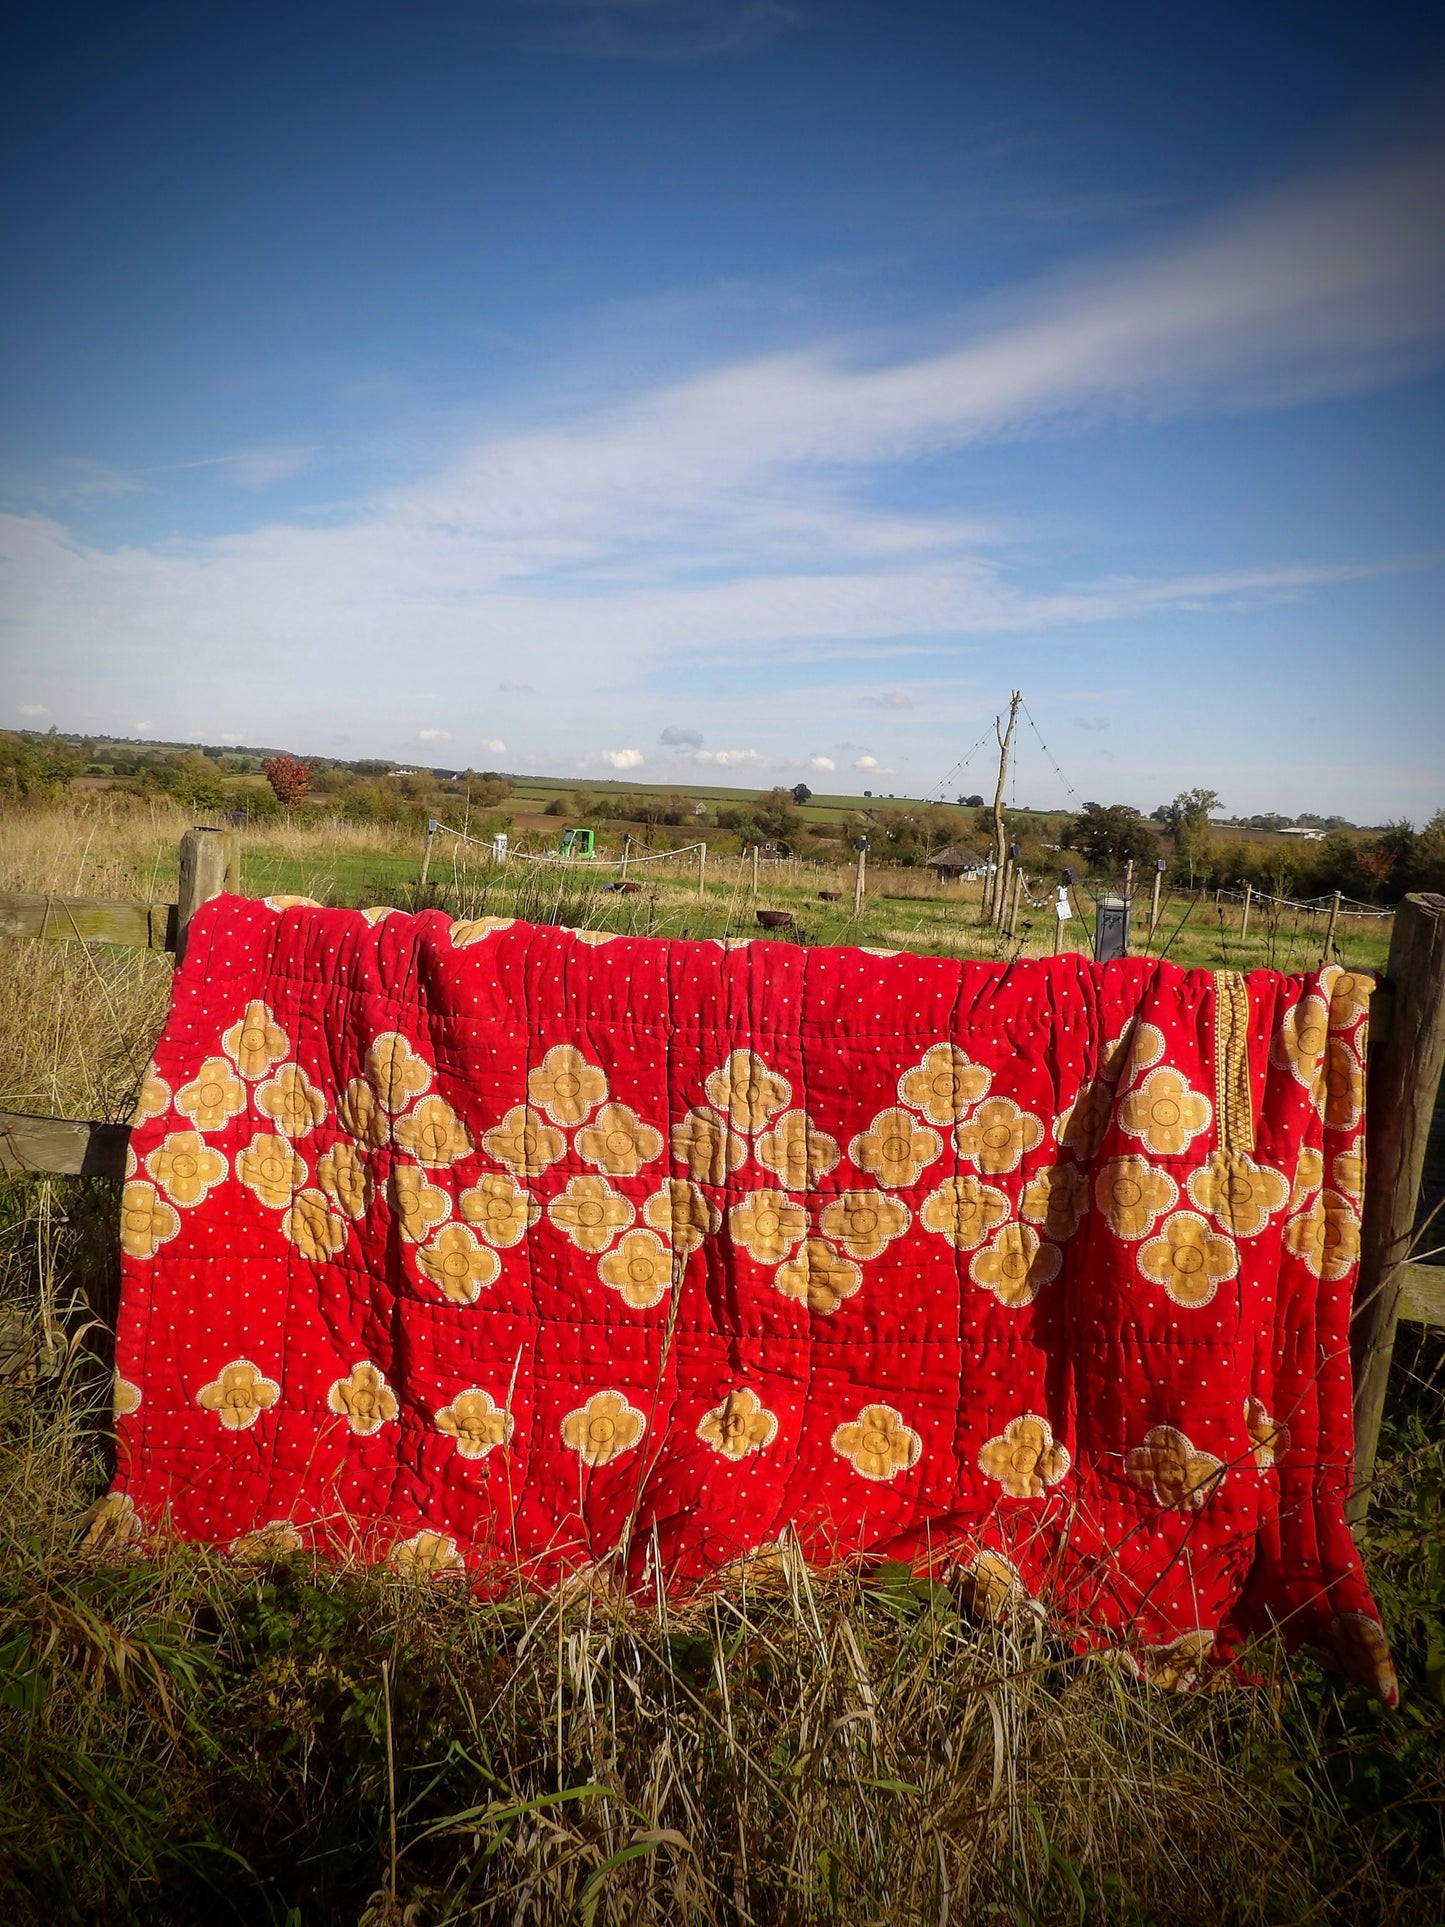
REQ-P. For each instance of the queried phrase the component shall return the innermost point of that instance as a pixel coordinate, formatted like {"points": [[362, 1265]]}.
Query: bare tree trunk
{"points": [[1005, 738]]}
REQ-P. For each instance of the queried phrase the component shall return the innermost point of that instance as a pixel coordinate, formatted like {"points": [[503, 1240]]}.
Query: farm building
{"points": [[956, 861]]}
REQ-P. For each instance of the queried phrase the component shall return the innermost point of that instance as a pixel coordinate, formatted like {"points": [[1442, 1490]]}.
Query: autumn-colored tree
{"points": [[290, 780]]}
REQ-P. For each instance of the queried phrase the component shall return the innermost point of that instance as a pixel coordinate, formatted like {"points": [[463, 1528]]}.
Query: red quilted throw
{"points": [[509, 1250]]}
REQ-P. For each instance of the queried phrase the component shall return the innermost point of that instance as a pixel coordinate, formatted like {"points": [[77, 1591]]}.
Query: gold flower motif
{"points": [[291, 903], [1326, 1237], [1358, 1643], [590, 1213], [603, 1429], [524, 1143], [1340, 1093], [112, 1525], [594, 937], [565, 1085], [274, 1540], [864, 1223], [343, 1175], [944, 1085], [501, 1211], [1181, 1666], [213, 1097], [292, 1101], [682, 1214], [878, 1443], [476, 1423], [1132, 1194], [1132, 1053], [617, 1140], [363, 1398], [416, 1203], [1300, 1043], [797, 1151], [125, 1398], [1025, 1458], [313, 1227], [640, 1269], [748, 1091], [146, 1220], [378, 913], [477, 930], [238, 1395], [271, 1169], [1056, 1197], [1309, 1175], [1016, 1265], [1349, 993], [819, 1276], [1238, 1192], [395, 1071], [896, 1148], [1348, 1170], [360, 1114], [767, 1224], [1165, 1113], [433, 1133], [427, 1555], [458, 1265], [1268, 1437], [707, 1147], [1170, 1468], [153, 1099], [256, 1043], [989, 1585], [1188, 1259], [1080, 1126], [742, 1424], [964, 1210], [185, 1167], [997, 1135]]}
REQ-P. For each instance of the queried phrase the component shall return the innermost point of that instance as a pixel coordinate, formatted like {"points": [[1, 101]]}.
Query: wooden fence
{"points": [[1407, 1054]]}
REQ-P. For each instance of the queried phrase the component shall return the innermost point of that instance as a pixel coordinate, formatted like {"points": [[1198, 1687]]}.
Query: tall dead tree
{"points": [[994, 907]]}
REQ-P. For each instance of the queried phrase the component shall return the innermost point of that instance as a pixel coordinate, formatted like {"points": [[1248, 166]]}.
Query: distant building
{"points": [[957, 861]]}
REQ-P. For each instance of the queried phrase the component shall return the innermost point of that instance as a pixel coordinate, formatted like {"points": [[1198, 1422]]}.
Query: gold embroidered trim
{"points": [[1234, 1100]]}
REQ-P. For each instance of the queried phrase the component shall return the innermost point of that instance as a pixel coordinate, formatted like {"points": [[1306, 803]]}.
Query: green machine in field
{"points": [[578, 843]]}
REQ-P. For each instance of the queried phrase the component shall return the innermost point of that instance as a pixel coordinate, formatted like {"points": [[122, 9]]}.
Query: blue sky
{"points": [[735, 392]]}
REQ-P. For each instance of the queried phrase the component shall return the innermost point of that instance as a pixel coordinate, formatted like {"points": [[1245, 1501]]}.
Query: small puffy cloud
{"points": [[33, 709], [822, 764], [622, 758], [141, 727], [865, 762], [434, 735], [513, 688], [493, 743], [676, 738], [1092, 723], [728, 758], [890, 699]]}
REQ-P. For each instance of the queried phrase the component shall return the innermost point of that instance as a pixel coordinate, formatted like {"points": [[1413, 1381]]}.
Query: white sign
{"points": [[1061, 906], [499, 846]]}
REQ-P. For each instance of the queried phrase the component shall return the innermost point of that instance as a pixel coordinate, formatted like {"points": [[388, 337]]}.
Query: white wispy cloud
{"points": [[434, 735], [623, 758]]}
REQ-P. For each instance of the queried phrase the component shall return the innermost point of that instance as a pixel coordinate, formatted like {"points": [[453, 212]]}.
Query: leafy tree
{"points": [[1110, 835], [802, 794], [290, 780], [776, 814], [1187, 821]]}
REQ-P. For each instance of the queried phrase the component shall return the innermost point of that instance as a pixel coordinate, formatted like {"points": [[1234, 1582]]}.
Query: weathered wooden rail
{"points": [[1407, 1055]]}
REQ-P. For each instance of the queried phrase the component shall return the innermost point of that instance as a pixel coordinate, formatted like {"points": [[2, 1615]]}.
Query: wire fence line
{"points": [[556, 857], [1348, 906]]}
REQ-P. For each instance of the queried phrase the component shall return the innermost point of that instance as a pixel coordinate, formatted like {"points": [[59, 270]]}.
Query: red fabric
{"points": [[386, 1247]]}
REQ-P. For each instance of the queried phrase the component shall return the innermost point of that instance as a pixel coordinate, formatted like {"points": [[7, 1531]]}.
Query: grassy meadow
{"points": [[302, 1744]]}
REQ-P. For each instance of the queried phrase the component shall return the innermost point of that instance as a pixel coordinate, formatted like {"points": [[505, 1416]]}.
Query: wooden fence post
{"points": [[209, 860], [701, 871], [757, 850], [426, 854], [1013, 903], [860, 881], [1404, 1077], [1153, 909], [1330, 928]]}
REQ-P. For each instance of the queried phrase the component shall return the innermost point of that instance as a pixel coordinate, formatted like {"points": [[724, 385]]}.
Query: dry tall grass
{"points": [[183, 1737]]}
